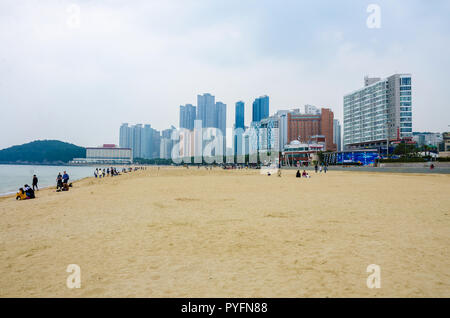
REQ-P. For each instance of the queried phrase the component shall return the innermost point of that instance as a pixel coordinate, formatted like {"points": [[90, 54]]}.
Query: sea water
{"points": [[13, 177]]}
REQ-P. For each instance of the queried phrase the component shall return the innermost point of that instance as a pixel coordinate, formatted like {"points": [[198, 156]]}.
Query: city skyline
{"points": [[139, 63]]}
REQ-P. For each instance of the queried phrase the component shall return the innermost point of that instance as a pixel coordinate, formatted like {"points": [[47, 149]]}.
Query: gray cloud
{"points": [[137, 61]]}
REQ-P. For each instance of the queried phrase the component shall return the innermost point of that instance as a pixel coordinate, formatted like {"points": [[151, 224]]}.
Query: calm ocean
{"points": [[12, 177]]}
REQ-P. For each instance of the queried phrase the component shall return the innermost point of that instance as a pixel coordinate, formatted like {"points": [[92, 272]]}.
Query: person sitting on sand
{"points": [[29, 192], [298, 174], [21, 195], [66, 187], [305, 174]]}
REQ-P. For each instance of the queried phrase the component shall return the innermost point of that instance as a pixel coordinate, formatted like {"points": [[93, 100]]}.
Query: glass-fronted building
{"points": [[239, 115], [260, 108]]}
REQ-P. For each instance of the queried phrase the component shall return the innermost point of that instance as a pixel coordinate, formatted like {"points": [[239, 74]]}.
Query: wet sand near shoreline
{"points": [[177, 232]]}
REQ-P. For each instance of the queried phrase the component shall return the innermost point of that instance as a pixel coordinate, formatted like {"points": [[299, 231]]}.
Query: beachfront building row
{"points": [[211, 113], [378, 112], [279, 130], [142, 139]]}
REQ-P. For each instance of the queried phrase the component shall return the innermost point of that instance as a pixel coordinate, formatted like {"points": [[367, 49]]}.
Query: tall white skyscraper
{"points": [[380, 110]]}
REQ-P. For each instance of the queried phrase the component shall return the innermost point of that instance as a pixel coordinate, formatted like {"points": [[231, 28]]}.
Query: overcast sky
{"points": [[137, 61]]}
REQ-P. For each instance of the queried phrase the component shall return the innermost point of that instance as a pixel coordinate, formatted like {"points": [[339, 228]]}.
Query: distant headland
{"points": [[42, 152]]}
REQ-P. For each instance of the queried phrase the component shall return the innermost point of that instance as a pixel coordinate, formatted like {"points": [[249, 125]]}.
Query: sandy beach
{"points": [[178, 232]]}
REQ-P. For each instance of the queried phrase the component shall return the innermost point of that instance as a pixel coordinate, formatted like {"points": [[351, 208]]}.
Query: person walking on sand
{"points": [[316, 167], [325, 168], [320, 169], [35, 183]]}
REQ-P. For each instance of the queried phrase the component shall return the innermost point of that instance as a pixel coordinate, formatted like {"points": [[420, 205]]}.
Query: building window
{"points": [[405, 81]]}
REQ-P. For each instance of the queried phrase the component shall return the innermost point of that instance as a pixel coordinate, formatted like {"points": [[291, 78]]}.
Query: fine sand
{"points": [[178, 232]]}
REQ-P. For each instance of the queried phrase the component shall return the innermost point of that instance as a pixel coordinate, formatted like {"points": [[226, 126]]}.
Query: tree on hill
{"points": [[42, 151]]}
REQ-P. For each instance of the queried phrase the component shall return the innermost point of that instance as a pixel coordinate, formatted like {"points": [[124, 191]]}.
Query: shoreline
{"points": [[46, 184], [46, 188], [309, 169]]}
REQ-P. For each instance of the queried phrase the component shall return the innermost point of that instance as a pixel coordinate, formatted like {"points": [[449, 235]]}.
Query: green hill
{"points": [[42, 152]]}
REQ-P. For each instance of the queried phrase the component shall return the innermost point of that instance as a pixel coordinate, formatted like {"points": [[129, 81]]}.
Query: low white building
{"points": [[108, 154]]}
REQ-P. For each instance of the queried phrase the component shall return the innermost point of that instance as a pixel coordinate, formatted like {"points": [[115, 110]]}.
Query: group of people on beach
{"points": [[62, 182], [25, 193], [111, 171], [102, 173], [304, 174], [321, 168]]}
